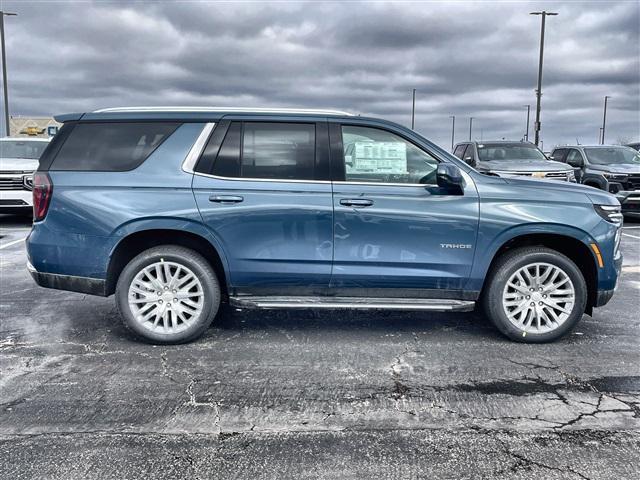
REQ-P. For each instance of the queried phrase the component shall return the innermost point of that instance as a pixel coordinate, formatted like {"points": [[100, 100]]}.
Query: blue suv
{"points": [[175, 210]]}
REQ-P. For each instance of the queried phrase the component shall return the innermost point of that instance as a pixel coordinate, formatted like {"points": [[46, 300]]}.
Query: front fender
{"points": [[491, 248]]}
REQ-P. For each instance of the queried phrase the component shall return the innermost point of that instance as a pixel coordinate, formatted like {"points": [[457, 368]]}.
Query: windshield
{"points": [[509, 151], [607, 156], [21, 149]]}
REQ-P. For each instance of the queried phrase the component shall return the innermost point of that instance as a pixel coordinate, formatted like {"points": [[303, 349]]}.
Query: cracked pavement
{"points": [[309, 394]]}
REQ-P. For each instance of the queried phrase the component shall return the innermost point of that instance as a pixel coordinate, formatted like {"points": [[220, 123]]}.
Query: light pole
{"points": [[4, 69], [526, 134], [536, 126], [413, 109], [453, 130], [470, 126], [604, 118]]}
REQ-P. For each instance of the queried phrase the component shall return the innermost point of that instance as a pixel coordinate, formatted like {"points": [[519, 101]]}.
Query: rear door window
{"points": [[278, 151], [268, 150], [111, 147], [559, 155]]}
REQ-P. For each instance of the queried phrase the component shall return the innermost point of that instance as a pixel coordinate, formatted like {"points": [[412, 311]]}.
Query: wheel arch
{"points": [[570, 246], [137, 241]]}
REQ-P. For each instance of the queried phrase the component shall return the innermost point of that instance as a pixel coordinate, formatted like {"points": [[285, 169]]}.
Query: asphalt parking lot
{"points": [[306, 394]]}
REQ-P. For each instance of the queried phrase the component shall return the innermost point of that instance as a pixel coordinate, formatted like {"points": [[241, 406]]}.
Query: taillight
{"points": [[42, 190]]}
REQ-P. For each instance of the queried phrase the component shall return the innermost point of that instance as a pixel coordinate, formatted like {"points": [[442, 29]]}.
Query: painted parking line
{"points": [[632, 236], [15, 242]]}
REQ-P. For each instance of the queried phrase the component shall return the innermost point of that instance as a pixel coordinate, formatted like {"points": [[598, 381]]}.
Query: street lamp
{"points": [[526, 134], [413, 109], [453, 129], [470, 126], [604, 117], [536, 127], [4, 69]]}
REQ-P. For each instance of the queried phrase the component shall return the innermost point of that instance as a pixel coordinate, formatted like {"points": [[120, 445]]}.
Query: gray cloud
{"points": [[465, 59]]}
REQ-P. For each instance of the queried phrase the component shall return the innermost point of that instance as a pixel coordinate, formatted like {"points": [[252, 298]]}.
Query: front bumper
{"points": [[15, 201], [630, 201], [604, 296], [91, 286]]}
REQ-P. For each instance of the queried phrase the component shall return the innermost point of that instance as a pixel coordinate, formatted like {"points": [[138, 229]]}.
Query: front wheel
{"points": [[535, 295], [168, 294]]}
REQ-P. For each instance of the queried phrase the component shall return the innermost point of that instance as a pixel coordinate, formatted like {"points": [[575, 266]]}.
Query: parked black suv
{"points": [[614, 168]]}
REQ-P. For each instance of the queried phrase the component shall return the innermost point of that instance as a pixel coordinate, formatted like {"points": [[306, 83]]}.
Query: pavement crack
{"points": [[523, 462]]}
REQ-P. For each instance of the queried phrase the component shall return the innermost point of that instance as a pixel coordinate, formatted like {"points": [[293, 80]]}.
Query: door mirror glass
{"points": [[449, 177]]}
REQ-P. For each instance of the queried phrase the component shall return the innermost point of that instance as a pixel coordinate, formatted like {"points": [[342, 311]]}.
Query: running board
{"points": [[436, 305]]}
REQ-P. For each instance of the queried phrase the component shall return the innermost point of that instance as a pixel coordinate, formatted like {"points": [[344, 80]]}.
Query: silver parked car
{"points": [[512, 159], [18, 160]]}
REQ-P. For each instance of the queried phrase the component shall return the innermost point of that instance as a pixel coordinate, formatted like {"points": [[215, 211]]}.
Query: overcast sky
{"points": [[465, 59]]}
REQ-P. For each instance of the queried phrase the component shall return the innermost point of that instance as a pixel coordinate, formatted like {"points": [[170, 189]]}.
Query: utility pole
{"points": [[453, 130], [526, 134], [4, 69], [600, 135], [536, 126], [470, 126], [604, 118], [413, 110]]}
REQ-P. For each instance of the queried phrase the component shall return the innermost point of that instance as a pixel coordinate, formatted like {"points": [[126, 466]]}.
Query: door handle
{"points": [[356, 202], [226, 198]]}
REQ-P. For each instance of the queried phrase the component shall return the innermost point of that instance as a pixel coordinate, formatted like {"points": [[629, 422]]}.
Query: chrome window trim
{"points": [[197, 148], [272, 180], [465, 175]]}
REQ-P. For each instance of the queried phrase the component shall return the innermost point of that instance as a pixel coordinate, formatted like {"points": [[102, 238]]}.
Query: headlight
{"points": [[615, 177], [611, 213], [571, 176]]}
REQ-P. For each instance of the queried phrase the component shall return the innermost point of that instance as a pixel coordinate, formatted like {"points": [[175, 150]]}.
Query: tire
{"points": [[179, 314], [553, 323]]}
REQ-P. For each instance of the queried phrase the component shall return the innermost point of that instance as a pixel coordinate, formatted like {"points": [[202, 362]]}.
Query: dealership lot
{"points": [[303, 393]]}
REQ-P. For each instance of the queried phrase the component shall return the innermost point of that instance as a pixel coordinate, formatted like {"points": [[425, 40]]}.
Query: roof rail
{"points": [[224, 109]]}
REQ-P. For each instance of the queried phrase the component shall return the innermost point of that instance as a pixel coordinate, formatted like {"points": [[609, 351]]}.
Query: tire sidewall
{"points": [[190, 259], [493, 300]]}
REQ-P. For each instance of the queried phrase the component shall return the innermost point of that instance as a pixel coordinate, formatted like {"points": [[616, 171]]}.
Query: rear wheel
{"points": [[535, 294], [168, 294]]}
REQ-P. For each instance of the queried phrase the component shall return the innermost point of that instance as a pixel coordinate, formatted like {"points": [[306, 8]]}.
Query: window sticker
{"points": [[378, 157]]}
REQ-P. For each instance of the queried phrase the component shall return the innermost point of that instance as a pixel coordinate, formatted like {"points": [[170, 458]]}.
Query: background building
{"points": [[32, 126]]}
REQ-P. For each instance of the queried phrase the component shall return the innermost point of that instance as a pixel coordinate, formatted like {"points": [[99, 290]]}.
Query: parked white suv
{"points": [[18, 160]]}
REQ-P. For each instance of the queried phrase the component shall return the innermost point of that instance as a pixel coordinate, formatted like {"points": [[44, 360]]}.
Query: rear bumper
{"points": [[92, 286]]}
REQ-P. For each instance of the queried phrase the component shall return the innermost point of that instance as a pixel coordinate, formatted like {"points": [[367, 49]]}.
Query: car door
{"points": [[576, 161], [263, 189], [394, 229]]}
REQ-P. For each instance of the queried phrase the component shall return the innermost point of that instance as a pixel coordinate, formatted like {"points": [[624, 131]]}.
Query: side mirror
{"points": [[470, 161], [449, 177]]}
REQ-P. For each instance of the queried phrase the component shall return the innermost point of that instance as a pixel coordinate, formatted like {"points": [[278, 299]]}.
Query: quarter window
{"points": [[378, 156], [111, 147]]}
